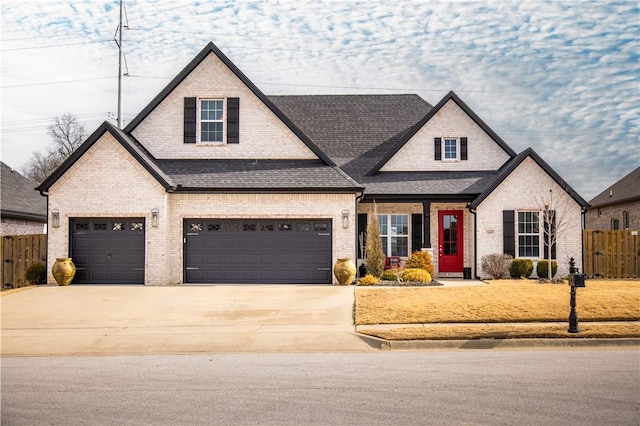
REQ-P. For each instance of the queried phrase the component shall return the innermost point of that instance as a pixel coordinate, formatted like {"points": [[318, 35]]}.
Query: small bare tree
{"points": [[555, 221], [375, 255], [67, 135]]}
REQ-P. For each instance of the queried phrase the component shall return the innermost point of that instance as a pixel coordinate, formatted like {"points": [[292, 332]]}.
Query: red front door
{"points": [[450, 240]]}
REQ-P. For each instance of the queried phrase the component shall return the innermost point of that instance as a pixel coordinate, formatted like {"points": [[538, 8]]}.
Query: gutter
{"points": [[475, 241]]}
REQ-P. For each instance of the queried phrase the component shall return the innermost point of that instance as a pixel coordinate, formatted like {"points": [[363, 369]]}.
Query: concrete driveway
{"points": [[90, 320]]}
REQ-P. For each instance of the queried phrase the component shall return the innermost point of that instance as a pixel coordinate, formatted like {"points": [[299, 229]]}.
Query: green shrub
{"points": [[416, 275], [391, 274], [36, 273], [496, 265], [543, 268], [521, 268], [422, 260], [368, 280]]}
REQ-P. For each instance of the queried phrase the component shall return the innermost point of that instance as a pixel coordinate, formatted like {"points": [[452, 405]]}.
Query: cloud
{"points": [[561, 77]]}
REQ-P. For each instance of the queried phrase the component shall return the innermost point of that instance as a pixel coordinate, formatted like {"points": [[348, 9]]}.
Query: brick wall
{"points": [[108, 182], [10, 226], [262, 134], [418, 153], [600, 217], [527, 188]]}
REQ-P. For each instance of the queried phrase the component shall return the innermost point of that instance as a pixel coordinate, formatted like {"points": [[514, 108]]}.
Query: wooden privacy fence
{"points": [[611, 254], [18, 253]]}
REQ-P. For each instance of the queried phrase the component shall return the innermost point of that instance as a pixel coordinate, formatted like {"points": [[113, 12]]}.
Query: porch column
{"points": [[426, 209]]}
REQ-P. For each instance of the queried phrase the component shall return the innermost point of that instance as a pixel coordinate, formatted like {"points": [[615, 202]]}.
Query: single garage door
{"points": [[257, 251], [108, 251]]}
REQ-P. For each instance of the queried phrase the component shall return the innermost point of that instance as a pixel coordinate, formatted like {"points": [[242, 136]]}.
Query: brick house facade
{"points": [[617, 207], [215, 182]]}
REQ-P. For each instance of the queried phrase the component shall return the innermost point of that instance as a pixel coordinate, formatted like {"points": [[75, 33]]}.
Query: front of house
{"points": [[214, 182]]}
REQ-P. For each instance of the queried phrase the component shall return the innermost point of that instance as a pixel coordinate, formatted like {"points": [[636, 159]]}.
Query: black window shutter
{"points": [[416, 231], [190, 120], [463, 149], [437, 148], [509, 232], [233, 120], [362, 233], [546, 236]]}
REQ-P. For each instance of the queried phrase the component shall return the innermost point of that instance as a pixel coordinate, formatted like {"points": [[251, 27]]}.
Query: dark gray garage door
{"points": [[108, 251], [257, 251]]}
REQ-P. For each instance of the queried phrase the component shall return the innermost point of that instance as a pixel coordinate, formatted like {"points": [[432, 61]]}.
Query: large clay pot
{"points": [[345, 271], [63, 270]]}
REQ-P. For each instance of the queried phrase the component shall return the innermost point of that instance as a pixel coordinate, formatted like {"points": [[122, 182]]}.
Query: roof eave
{"points": [[212, 48], [450, 96], [91, 140]]}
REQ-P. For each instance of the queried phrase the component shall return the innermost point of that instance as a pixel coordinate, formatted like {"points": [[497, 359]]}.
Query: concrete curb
{"points": [[561, 343]]}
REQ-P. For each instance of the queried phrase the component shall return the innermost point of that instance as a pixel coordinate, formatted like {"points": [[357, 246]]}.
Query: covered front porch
{"points": [[442, 227]]}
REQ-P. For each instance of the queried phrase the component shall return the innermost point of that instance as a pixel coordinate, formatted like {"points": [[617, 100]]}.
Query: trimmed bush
{"points": [[416, 275], [36, 273], [521, 268], [496, 265], [543, 268], [422, 260], [368, 280], [391, 274]]}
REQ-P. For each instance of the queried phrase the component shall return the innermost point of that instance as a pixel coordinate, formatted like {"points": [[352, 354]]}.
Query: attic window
{"points": [[450, 148], [212, 120]]}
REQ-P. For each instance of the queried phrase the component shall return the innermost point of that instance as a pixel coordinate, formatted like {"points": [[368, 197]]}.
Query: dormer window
{"points": [[212, 120]]}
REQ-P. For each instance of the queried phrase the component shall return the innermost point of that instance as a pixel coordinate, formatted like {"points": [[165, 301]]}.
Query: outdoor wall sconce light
{"points": [[345, 218], [55, 218], [154, 217]]}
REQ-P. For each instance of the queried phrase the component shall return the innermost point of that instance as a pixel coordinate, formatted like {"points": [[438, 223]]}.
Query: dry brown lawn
{"points": [[499, 301]]}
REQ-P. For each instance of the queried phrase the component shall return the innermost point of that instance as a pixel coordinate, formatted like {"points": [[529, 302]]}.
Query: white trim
{"points": [[199, 120]]}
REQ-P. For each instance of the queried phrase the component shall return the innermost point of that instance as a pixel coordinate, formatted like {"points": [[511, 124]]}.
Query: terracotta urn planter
{"points": [[345, 271], [63, 270]]}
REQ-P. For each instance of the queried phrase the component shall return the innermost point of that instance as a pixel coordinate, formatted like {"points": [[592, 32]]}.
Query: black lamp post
{"points": [[575, 280]]}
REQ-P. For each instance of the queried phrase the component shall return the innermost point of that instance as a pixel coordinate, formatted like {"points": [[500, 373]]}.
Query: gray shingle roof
{"points": [[19, 197], [623, 191], [358, 131], [242, 175], [353, 128]]}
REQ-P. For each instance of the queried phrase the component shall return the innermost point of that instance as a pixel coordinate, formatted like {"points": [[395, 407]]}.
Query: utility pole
{"points": [[119, 43]]}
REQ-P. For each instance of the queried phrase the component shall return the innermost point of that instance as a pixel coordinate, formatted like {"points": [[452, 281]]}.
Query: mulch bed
{"points": [[383, 283]]}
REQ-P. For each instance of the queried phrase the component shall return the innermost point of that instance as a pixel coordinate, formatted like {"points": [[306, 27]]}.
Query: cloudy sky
{"points": [[562, 77]]}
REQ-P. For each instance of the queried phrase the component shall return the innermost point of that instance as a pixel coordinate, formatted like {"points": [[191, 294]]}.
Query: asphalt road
{"points": [[492, 387]]}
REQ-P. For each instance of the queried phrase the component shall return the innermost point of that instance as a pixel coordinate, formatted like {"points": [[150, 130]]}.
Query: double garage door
{"points": [[257, 251], [112, 251], [108, 251]]}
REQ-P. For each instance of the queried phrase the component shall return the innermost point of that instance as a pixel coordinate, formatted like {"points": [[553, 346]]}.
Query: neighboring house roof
{"points": [[625, 190], [510, 166], [19, 198], [208, 49]]}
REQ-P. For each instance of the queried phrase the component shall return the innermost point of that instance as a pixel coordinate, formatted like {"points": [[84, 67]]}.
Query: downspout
{"points": [[355, 213], [475, 242]]}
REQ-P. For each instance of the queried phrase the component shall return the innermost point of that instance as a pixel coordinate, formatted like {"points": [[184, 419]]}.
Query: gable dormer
{"points": [[451, 137], [211, 110]]}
